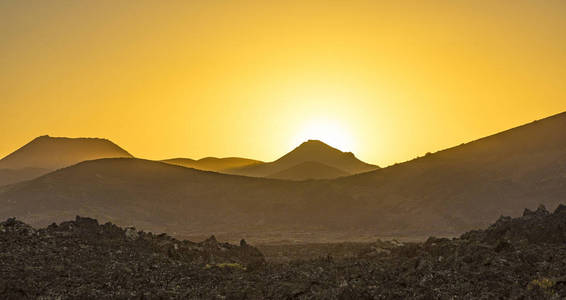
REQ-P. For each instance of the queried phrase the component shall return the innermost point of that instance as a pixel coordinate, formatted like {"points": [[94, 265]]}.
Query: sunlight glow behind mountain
{"points": [[327, 131], [390, 80]]}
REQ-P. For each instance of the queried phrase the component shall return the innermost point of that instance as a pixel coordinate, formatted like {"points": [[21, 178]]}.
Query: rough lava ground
{"points": [[516, 258]]}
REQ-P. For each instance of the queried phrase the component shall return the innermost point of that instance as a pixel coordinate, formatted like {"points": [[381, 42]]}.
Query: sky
{"points": [[387, 80]]}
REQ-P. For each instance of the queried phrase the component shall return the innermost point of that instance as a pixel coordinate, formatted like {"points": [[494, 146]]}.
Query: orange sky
{"points": [[388, 80]]}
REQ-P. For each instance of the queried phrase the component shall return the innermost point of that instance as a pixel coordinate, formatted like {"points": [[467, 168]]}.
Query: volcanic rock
{"points": [[515, 258]]}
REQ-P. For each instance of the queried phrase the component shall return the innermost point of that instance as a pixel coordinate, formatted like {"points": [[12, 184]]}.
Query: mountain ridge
{"points": [[55, 152], [44, 154], [309, 151], [444, 193], [217, 164]]}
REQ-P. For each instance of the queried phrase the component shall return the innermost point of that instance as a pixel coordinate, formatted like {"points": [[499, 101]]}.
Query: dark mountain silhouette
{"points": [[213, 163], [45, 153], [465, 186], [443, 193], [309, 151], [309, 170], [57, 152], [148, 194]]}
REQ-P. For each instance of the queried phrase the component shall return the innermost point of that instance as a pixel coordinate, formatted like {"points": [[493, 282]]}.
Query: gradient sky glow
{"points": [[388, 80]]}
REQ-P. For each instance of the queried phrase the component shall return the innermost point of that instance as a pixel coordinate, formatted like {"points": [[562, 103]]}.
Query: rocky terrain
{"points": [[517, 258], [82, 259]]}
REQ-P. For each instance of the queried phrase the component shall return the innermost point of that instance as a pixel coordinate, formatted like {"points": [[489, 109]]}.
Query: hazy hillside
{"points": [[309, 151], [151, 195], [213, 163], [309, 170], [45, 154], [56, 152], [9, 176], [466, 186], [448, 192]]}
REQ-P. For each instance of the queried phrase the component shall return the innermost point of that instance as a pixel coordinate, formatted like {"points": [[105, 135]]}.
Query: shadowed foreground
{"points": [[514, 258]]}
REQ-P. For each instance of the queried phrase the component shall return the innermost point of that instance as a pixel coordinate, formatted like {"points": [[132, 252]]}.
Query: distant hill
{"points": [[310, 151], [309, 170], [45, 153], [9, 176], [443, 193], [148, 194], [213, 163]]}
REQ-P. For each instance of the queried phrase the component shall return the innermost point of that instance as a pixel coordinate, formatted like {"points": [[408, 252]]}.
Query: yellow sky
{"points": [[388, 80]]}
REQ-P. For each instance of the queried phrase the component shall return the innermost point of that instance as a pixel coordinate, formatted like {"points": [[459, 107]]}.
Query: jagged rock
{"points": [[131, 234], [211, 242], [561, 209], [527, 212], [14, 226], [86, 222], [541, 211]]}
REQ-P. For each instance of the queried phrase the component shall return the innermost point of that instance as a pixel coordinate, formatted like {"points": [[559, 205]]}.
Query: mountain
{"points": [[463, 187], [310, 151], [309, 170], [45, 153], [56, 152], [444, 193], [9, 176], [152, 195], [213, 163]]}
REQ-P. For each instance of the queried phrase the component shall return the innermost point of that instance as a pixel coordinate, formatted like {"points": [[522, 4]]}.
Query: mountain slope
{"points": [[45, 154], [465, 186], [9, 176], [56, 152], [213, 163], [151, 195], [444, 193], [310, 151], [309, 170]]}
